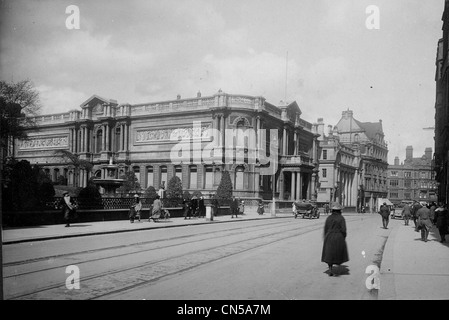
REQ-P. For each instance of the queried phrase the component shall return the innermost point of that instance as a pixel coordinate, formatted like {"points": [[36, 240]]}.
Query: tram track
{"points": [[119, 280]]}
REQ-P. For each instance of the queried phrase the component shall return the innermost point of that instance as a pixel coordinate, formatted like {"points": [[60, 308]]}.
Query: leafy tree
{"points": [[150, 192], [89, 197], [224, 190], [131, 184], [23, 187], [75, 163], [174, 191]]}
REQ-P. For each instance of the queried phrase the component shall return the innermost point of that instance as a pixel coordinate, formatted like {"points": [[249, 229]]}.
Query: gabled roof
{"points": [[94, 99], [371, 128]]}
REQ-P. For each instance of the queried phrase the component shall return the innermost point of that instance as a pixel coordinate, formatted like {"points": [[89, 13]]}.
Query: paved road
{"points": [[259, 259]]}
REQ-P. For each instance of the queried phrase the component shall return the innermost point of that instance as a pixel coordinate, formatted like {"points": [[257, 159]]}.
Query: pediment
{"points": [[94, 101]]}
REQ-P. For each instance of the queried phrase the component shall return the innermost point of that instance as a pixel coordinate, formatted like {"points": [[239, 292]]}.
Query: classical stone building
{"points": [[414, 179], [442, 110], [195, 139], [353, 163]]}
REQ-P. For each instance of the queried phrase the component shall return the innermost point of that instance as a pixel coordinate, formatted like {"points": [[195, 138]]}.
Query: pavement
{"points": [[410, 269]]}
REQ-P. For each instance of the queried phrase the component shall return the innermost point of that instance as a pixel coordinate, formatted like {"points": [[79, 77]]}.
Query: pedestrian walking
{"points": [[335, 250], [215, 206], [384, 211], [135, 210], [294, 208], [423, 222], [156, 211], [241, 206], [441, 220], [415, 207], [68, 207], [406, 214], [194, 206], [234, 207], [432, 208], [260, 208], [187, 208], [326, 208], [201, 207]]}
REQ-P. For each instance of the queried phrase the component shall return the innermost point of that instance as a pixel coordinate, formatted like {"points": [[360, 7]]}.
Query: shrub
{"points": [[224, 190]]}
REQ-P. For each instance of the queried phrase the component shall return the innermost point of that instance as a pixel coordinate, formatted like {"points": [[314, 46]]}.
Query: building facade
{"points": [[355, 169], [194, 139], [442, 110], [414, 179]]}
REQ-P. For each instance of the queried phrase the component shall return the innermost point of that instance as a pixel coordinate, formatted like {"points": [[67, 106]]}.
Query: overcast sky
{"points": [[149, 51]]}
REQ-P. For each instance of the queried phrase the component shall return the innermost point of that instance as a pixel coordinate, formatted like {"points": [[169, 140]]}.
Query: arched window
{"points": [[99, 137]]}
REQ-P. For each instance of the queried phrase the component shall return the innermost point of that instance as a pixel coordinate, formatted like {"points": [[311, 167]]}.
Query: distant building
{"points": [[353, 163], [414, 179], [442, 111]]}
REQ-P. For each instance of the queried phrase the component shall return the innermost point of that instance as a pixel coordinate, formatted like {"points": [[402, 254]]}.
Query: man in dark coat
{"points": [[335, 250], [406, 213], [234, 207], [415, 207], [441, 220], [187, 208], [424, 223], [384, 211]]}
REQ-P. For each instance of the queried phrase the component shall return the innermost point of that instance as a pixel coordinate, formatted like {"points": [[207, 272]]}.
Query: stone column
{"points": [[125, 142], [284, 141], [292, 191]]}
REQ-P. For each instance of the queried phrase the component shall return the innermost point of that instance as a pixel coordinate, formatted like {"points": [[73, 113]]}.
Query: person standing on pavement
{"points": [[424, 223], [136, 209], [441, 221], [187, 208], [234, 207], [406, 213], [260, 208], [202, 207], [68, 208], [241, 206], [384, 211], [156, 211], [335, 250]]}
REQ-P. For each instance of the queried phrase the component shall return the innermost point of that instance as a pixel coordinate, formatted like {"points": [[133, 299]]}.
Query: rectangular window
{"points": [[394, 183], [407, 174], [324, 173], [324, 154], [150, 176], [394, 173], [208, 177], [192, 177]]}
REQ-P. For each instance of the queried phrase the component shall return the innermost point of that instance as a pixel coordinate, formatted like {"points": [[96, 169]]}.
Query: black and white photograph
{"points": [[224, 155]]}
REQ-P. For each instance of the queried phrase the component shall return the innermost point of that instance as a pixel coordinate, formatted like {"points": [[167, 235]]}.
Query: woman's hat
{"points": [[136, 196], [65, 192], [336, 206]]}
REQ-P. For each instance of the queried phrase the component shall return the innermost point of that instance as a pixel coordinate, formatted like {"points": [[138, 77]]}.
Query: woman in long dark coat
{"points": [[335, 250], [440, 219]]}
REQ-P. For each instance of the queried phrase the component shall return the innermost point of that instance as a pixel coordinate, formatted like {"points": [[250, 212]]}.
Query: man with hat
{"points": [[384, 211], [67, 207], [335, 250]]}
